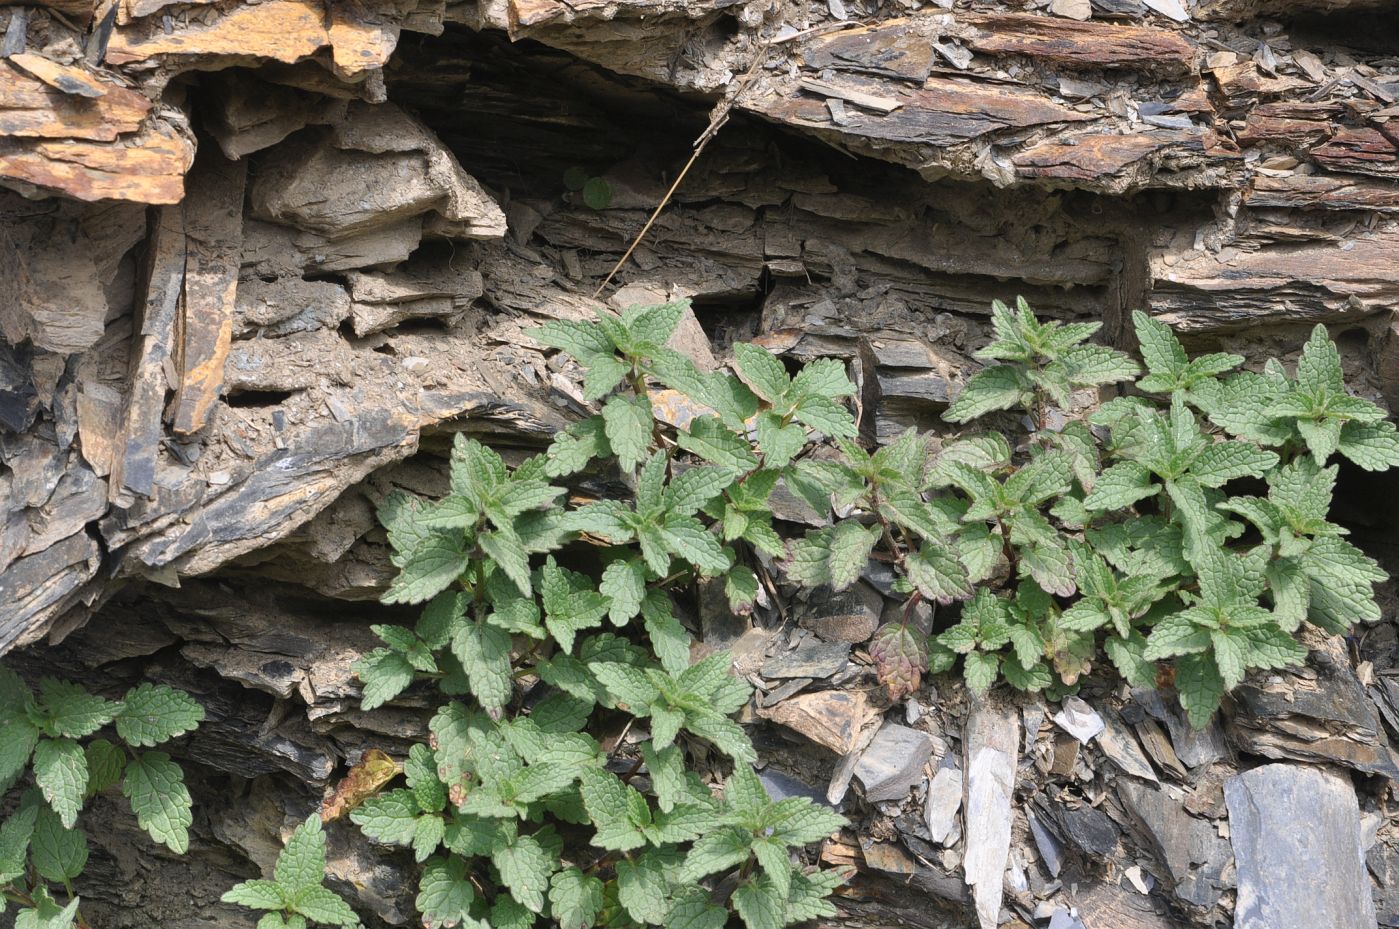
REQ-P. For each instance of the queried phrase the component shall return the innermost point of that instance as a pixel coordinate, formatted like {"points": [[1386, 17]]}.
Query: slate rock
{"points": [[811, 658], [1120, 746], [944, 800], [1383, 862], [1190, 849], [1295, 830], [1079, 720], [894, 762], [1320, 713], [991, 748], [850, 615], [1087, 827]]}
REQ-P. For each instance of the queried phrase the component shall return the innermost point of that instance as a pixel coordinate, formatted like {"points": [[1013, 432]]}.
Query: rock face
{"points": [[1297, 846], [259, 262]]}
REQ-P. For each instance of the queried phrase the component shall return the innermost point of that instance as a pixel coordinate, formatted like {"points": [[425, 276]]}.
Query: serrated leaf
{"points": [[711, 440], [669, 640], [760, 903], [302, 861], [998, 387], [155, 713], [627, 424], [825, 416], [14, 842], [824, 377], [390, 818], [1094, 365], [70, 711], [1120, 486], [57, 852], [1372, 446], [525, 868], [60, 771], [256, 895], [575, 899], [385, 674], [686, 537], [1200, 688], [321, 905], [900, 657], [980, 669], [1224, 461], [428, 569], [1160, 348], [642, 889], [484, 653], [741, 588], [761, 371], [833, 556], [155, 787], [445, 894]]}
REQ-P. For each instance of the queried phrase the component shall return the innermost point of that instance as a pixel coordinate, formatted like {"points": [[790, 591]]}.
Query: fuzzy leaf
{"points": [[60, 771], [155, 713], [900, 655]]}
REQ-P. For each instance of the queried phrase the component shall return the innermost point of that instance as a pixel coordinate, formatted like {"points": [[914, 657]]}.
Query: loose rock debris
{"points": [[259, 260]]}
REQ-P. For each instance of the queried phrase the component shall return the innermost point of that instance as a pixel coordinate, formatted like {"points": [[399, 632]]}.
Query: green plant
{"points": [[556, 616], [1113, 519], [295, 896], [51, 734]]}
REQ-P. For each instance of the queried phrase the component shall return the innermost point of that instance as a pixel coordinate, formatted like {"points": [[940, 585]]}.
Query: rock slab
{"points": [[1297, 847]]}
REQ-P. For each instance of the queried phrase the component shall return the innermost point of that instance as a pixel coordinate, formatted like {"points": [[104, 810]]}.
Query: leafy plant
{"points": [[550, 619], [1112, 525], [295, 896], [51, 737]]}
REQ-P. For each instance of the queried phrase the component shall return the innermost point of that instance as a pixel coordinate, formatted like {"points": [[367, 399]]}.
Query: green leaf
{"points": [[525, 867], [1176, 635], [428, 569], [692, 910], [484, 653], [1224, 461], [721, 850], [155, 787], [628, 424], [575, 899], [1160, 348], [624, 585], [833, 556], [573, 448], [302, 861], [760, 904], [669, 640], [1120, 486], [60, 770], [761, 371], [1230, 657], [69, 710], [385, 674], [824, 377], [611, 805], [686, 537], [46, 914], [1319, 369], [320, 905], [643, 890], [778, 442], [711, 440], [506, 549], [155, 713], [445, 894], [14, 842], [570, 603], [998, 387], [256, 895], [797, 821], [1094, 365], [740, 588], [1372, 446], [17, 739], [57, 852], [579, 339], [980, 670], [390, 817], [825, 416], [695, 487], [1200, 688]]}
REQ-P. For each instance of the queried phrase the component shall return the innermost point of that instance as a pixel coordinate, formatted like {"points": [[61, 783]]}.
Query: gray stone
{"points": [[1383, 862], [894, 762], [1190, 850], [1050, 848], [991, 748], [811, 658], [944, 800], [1120, 747], [1193, 747], [781, 786], [1318, 713], [849, 615], [1087, 827], [1079, 720], [1296, 837]]}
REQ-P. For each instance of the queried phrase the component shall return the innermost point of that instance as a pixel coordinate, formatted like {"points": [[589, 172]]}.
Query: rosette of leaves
{"points": [[1128, 526], [52, 740], [549, 621], [295, 896]]}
